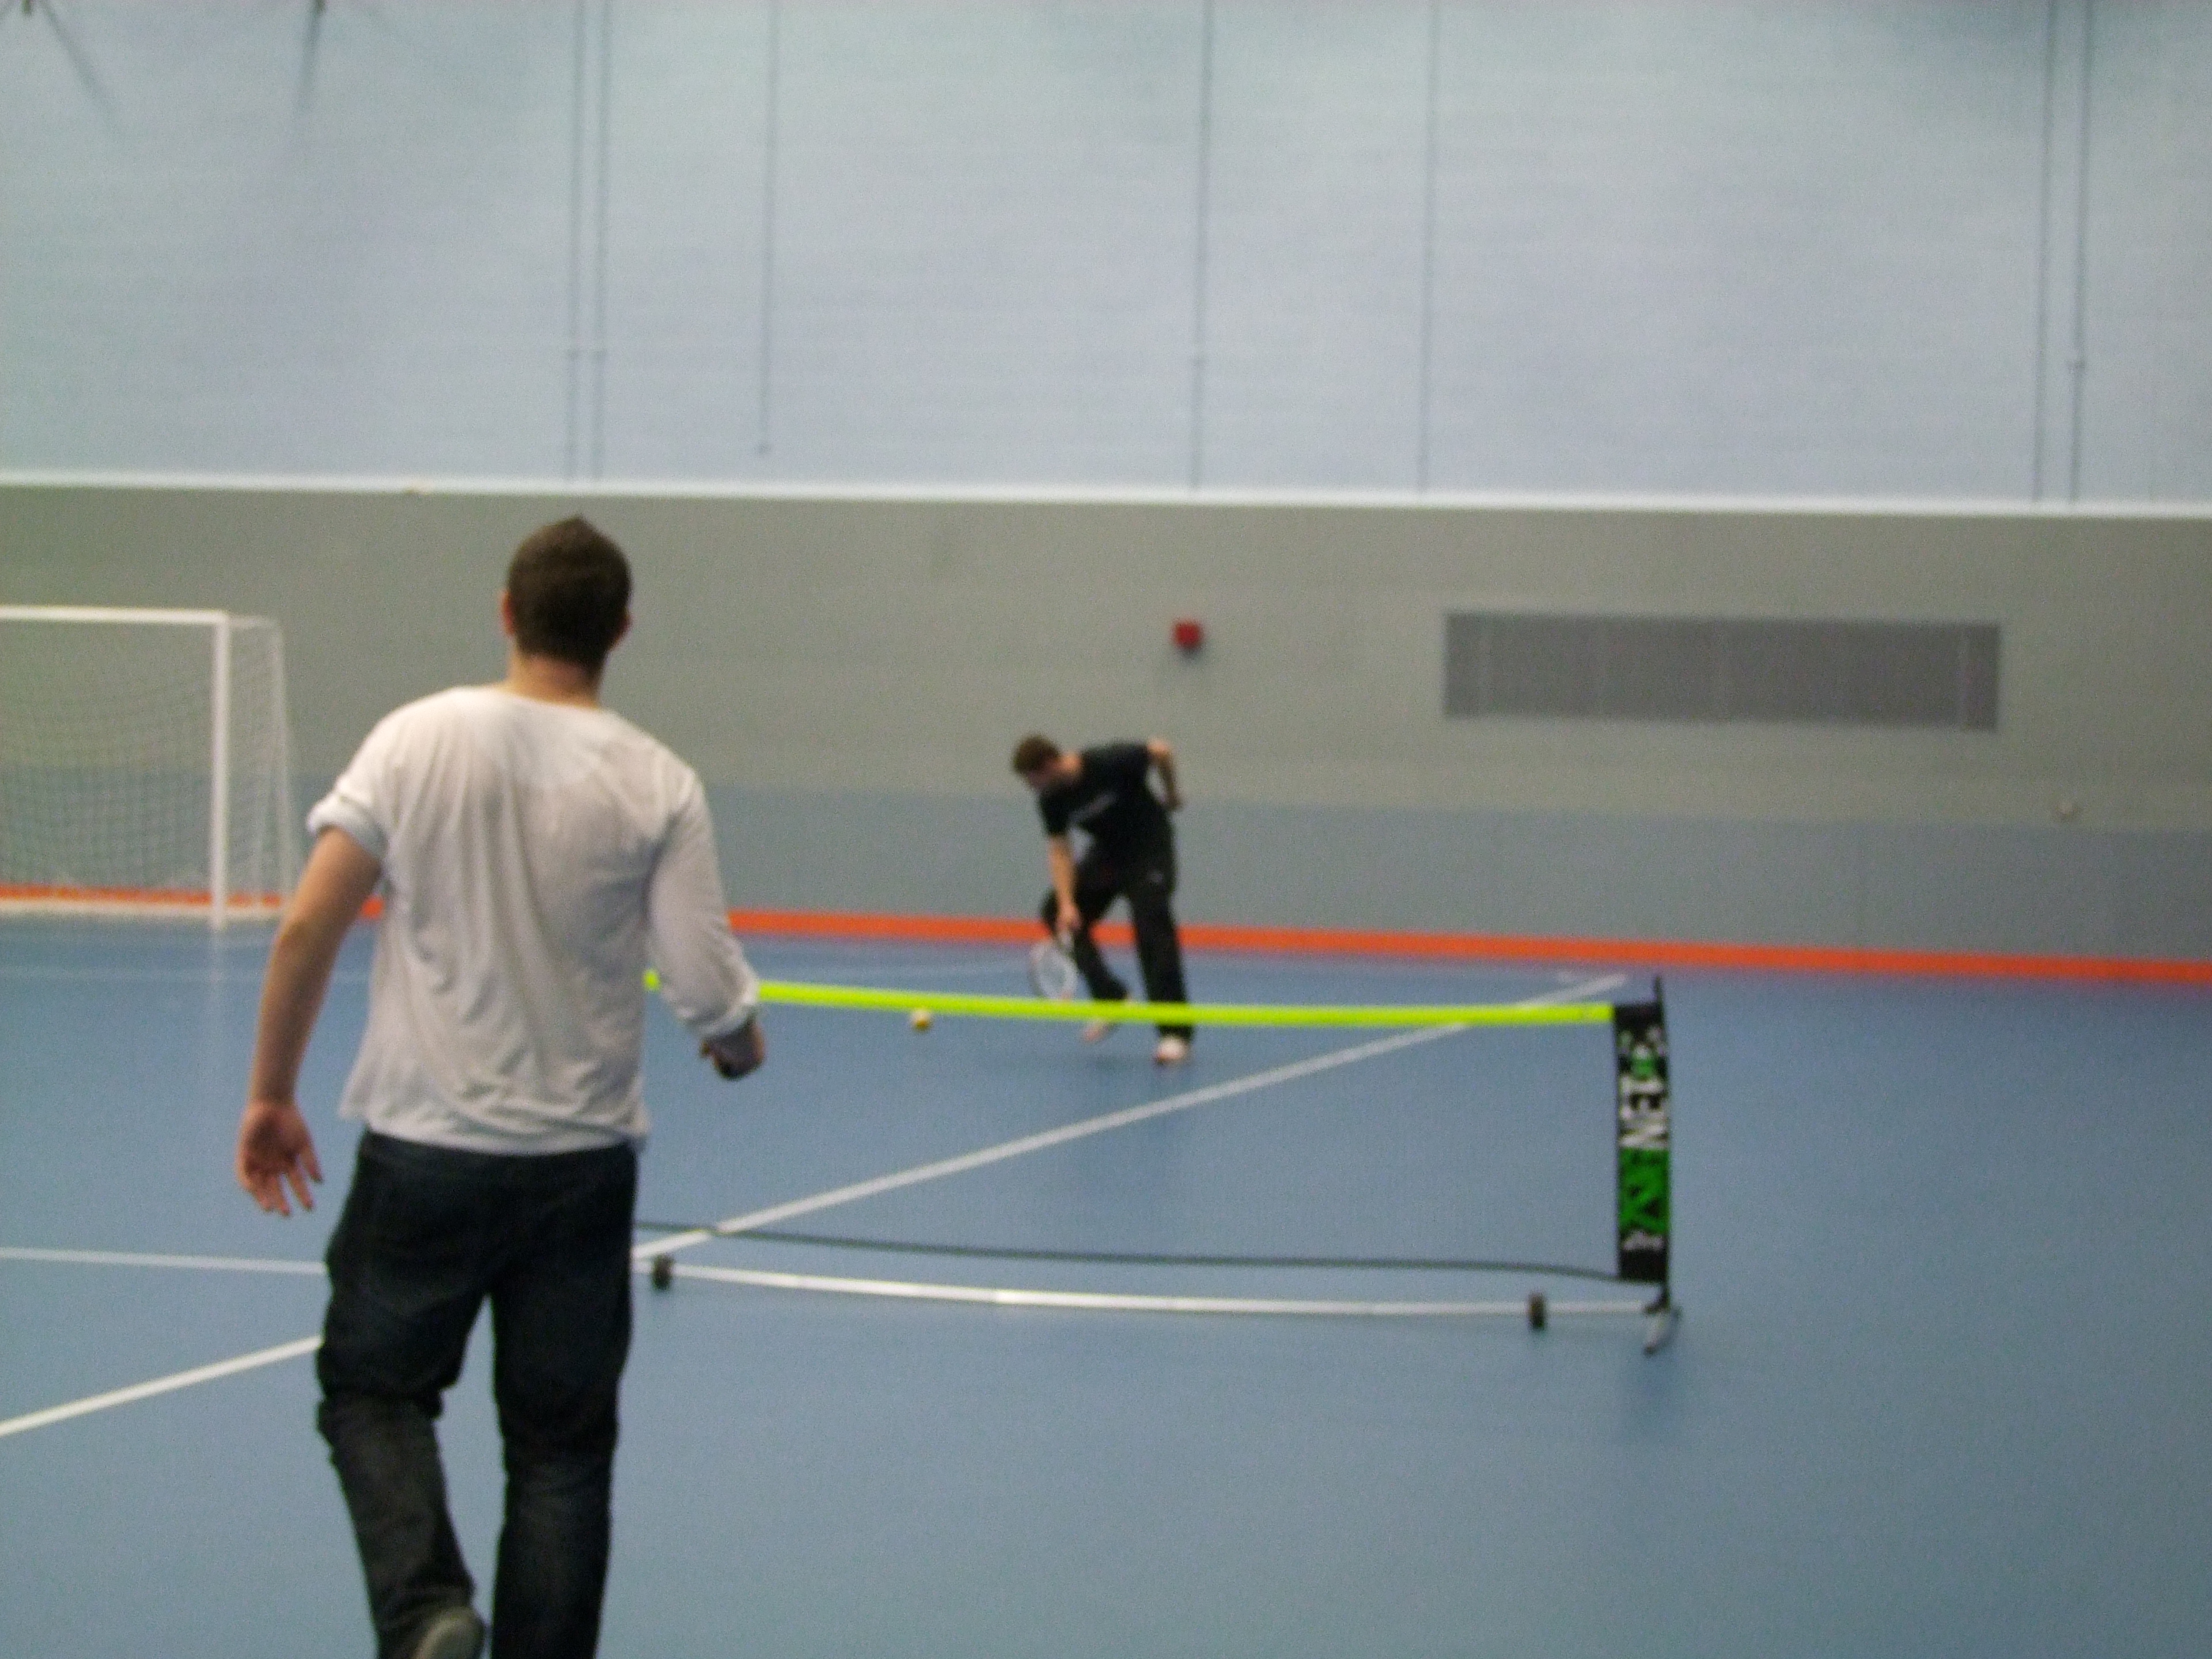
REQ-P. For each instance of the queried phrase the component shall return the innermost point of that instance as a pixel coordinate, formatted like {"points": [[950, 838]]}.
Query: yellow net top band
{"points": [[798, 993]]}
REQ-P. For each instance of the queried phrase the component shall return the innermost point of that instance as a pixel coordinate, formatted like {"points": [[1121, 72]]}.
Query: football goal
{"points": [[145, 763]]}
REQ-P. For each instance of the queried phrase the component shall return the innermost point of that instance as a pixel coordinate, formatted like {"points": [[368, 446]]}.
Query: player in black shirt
{"points": [[1106, 792]]}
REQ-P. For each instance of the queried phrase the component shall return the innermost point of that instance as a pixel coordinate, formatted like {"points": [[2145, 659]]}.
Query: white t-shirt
{"points": [[538, 857]]}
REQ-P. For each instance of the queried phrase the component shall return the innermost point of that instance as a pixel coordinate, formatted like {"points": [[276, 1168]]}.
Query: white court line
{"points": [[1092, 1125], [226, 1264], [101, 1402], [847, 1195]]}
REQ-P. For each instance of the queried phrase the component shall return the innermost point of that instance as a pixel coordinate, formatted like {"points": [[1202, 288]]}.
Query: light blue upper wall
{"points": [[1834, 248], [1746, 249]]}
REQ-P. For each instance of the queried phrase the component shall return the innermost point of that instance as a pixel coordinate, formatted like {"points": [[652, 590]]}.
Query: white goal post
{"points": [[145, 763]]}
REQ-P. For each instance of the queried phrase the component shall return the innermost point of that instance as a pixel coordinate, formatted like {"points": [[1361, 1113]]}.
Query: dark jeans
{"points": [[1148, 883], [427, 1235]]}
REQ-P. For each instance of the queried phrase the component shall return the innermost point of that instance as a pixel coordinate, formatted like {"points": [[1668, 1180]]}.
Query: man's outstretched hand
{"points": [[274, 1147]]}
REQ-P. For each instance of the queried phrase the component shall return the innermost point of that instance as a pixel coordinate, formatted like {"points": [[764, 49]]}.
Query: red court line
{"points": [[1368, 942], [1487, 947], [131, 897]]}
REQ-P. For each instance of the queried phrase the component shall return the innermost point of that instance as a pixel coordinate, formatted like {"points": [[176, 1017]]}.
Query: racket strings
{"points": [[1053, 972]]}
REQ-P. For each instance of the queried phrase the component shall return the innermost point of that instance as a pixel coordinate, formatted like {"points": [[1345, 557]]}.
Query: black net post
{"points": [[1642, 1137]]}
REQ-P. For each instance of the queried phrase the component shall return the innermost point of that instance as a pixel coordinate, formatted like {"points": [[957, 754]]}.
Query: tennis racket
{"points": [[1052, 971]]}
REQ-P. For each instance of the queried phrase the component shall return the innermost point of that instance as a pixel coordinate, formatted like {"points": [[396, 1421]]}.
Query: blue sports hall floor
{"points": [[1940, 1386]]}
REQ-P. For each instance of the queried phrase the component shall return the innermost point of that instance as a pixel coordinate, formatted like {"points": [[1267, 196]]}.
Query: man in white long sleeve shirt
{"points": [[535, 854]]}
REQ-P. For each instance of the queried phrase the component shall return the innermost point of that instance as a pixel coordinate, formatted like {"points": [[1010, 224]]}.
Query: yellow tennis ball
{"points": [[920, 1019], [652, 980]]}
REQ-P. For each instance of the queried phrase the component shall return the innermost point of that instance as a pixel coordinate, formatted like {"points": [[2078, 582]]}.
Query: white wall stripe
{"points": [[1430, 501]]}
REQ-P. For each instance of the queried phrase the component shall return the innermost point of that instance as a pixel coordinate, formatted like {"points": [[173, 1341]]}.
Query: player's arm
{"points": [[1162, 754], [1060, 859], [704, 976], [273, 1147]]}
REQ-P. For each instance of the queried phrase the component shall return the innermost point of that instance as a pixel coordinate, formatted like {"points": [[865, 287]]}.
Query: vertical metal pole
{"points": [[766, 441], [1429, 248], [2043, 248], [599, 241], [2077, 354], [1200, 251], [572, 452], [219, 781]]}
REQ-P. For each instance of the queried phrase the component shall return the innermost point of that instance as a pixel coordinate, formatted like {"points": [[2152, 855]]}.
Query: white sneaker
{"points": [[1172, 1051]]}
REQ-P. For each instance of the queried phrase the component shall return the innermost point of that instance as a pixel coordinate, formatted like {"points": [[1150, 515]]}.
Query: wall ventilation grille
{"points": [[1719, 669]]}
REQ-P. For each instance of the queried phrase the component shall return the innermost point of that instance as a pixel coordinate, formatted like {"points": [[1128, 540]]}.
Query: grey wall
{"points": [[1946, 248], [848, 673]]}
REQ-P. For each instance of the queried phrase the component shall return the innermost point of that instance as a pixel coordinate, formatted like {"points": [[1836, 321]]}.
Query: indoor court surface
{"points": [[1937, 1388]]}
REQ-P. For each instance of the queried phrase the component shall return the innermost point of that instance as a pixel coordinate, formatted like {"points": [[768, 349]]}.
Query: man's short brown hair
{"points": [[1033, 753], [567, 586]]}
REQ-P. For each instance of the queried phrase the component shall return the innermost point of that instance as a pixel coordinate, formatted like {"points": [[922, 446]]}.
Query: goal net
{"points": [[145, 762]]}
